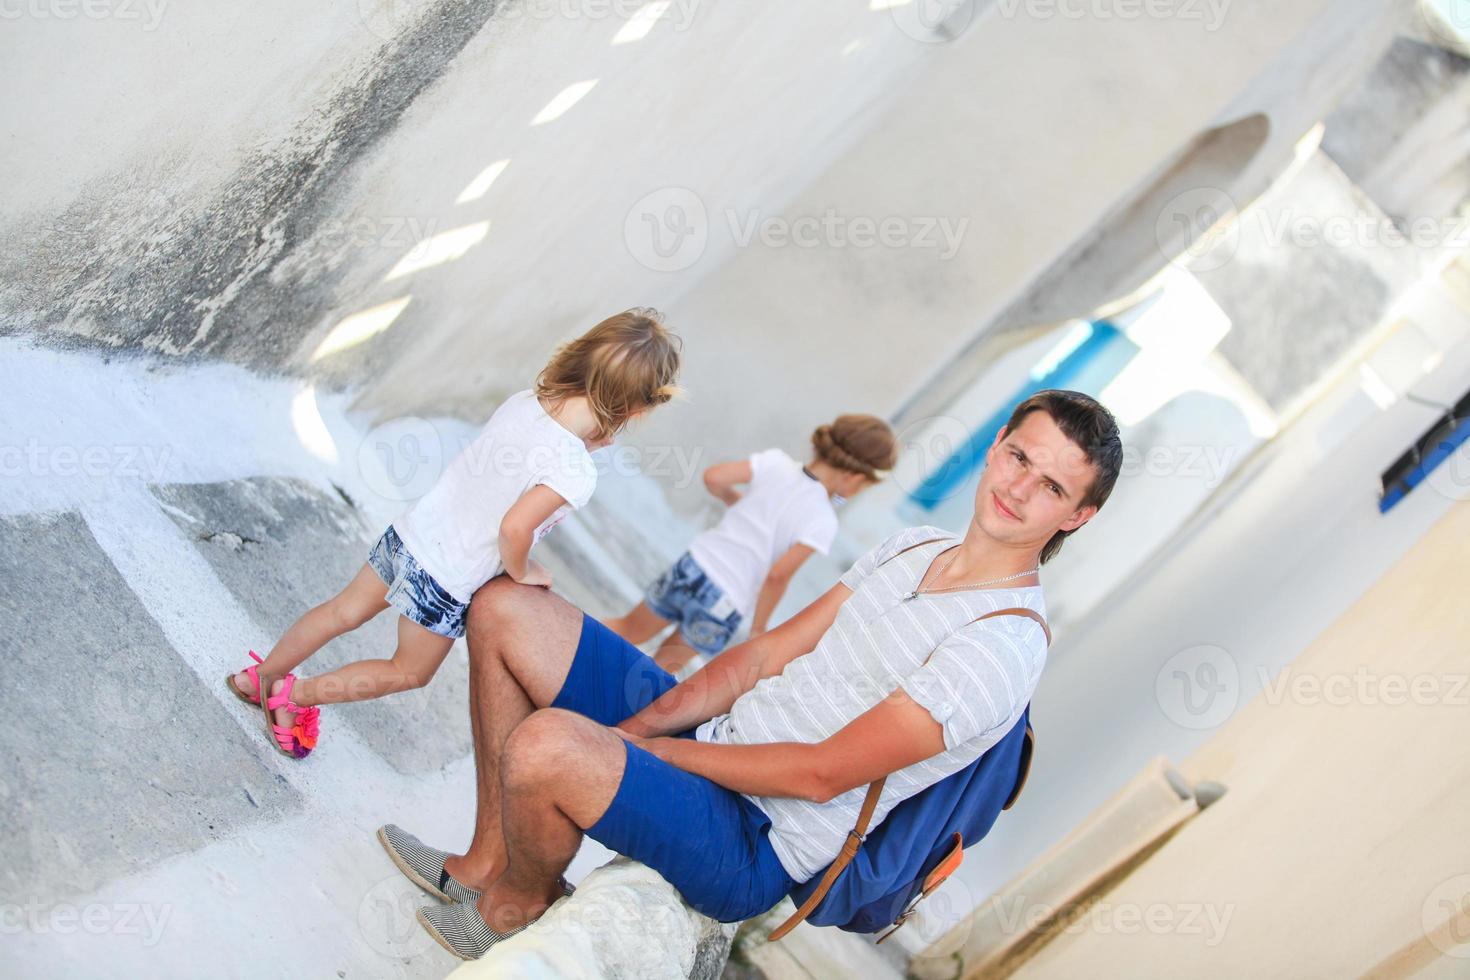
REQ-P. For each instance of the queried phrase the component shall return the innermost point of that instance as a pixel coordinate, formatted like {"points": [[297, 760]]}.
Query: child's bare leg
{"points": [[363, 599], [674, 652], [414, 664], [641, 624]]}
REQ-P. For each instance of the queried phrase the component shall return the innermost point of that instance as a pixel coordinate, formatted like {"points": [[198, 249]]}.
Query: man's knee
{"points": [[495, 609], [551, 744]]}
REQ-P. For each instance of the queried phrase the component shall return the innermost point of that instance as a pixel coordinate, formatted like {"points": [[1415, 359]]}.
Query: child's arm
{"points": [[518, 531], [777, 579], [721, 478]]}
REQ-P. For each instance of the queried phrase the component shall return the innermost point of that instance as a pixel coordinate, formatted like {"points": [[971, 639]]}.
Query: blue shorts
{"points": [[685, 595], [707, 841], [413, 591]]}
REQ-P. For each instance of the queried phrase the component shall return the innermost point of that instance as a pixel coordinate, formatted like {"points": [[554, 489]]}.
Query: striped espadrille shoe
{"points": [[461, 929], [423, 865]]}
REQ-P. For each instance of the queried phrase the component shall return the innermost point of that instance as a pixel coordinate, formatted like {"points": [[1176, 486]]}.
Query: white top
{"points": [[454, 529], [976, 685], [781, 507]]}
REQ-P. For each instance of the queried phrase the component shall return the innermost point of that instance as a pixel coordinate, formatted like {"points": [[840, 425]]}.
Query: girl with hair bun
{"points": [[738, 570]]}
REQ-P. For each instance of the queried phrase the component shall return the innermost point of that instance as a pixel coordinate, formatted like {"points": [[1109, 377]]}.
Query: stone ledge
{"points": [[624, 921]]}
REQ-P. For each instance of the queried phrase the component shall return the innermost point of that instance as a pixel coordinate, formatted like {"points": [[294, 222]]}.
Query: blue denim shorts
{"points": [[413, 591], [709, 842], [685, 595]]}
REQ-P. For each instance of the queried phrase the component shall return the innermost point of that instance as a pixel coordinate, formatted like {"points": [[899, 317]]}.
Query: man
{"points": [[745, 779]]}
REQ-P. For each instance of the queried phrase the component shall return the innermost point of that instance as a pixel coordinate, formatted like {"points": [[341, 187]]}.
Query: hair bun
{"points": [[856, 443]]}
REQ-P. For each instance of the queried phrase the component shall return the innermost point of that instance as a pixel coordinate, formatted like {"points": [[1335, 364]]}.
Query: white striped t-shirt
{"points": [[976, 685]]}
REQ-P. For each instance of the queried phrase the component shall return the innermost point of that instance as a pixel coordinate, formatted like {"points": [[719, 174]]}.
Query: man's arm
{"points": [[777, 579], [715, 687], [971, 681], [895, 733], [721, 478]]}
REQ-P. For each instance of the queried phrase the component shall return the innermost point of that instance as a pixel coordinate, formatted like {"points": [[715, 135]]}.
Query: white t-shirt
{"points": [[454, 529], [781, 507], [975, 685]]}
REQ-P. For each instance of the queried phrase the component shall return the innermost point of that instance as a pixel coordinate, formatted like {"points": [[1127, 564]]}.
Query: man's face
{"points": [[1033, 483]]}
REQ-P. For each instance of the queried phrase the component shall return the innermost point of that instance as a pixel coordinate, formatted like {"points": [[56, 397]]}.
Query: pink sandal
{"points": [[299, 739], [252, 671]]}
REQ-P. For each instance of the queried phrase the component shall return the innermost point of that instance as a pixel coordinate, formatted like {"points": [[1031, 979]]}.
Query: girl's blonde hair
{"points": [[626, 363], [858, 444]]}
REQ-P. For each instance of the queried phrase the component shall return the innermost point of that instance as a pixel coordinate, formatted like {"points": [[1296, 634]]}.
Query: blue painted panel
{"points": [[1087, 367]]}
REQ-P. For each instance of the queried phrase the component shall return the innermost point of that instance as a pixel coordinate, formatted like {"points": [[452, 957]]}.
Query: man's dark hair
{"points": [[1092, 427]]}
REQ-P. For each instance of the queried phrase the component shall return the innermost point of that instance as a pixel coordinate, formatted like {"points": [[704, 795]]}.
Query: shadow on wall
{"points": [[1168, 216], [1164, 219]]}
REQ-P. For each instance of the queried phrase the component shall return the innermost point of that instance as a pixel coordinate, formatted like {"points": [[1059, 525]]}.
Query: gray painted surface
{"points": [[282, 546], [95, 697], [1402, 137], [1395, 96], [148, 269], [1296, 302]]}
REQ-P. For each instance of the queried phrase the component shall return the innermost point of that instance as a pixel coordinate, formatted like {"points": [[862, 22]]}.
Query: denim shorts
{"points": [[686, 596], [413, 591], [709, 842]]}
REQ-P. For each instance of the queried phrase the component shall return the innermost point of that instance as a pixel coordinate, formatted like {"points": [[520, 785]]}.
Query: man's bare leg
{"points": [[560, 773], [522, 640]]}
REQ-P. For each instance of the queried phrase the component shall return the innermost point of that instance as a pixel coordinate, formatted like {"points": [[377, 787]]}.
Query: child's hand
{"points": [[536, 574]]}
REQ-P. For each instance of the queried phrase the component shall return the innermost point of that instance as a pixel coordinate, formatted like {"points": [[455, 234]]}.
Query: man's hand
{"points": [[715, 686], [893, 734], [656, 747]]}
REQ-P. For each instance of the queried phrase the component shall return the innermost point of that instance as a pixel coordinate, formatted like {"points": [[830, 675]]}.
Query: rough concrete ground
{"points": [[270, 541], [154, 525], [94, 703]]}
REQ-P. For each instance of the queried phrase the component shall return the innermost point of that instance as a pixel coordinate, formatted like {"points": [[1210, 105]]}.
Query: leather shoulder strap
{"points": [[855, 838], [1028, 749], [904, 551], [1031, 614]]}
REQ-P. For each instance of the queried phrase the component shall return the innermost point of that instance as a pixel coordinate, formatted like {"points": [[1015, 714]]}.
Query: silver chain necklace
{"points": [[918, 591]]}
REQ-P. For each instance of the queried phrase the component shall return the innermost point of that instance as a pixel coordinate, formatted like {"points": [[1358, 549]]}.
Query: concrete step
{"points": [[808, 952]]}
